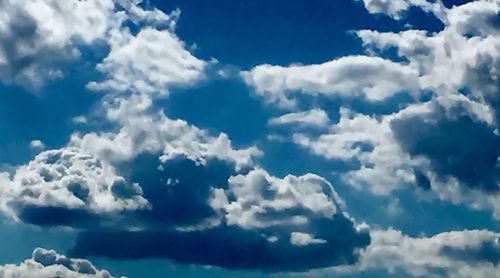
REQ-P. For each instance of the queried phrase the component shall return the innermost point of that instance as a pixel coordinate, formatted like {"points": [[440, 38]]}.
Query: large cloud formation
{"points": [[153, 187], [257, 222], [448, 144], [48, 264], [150, 186]]}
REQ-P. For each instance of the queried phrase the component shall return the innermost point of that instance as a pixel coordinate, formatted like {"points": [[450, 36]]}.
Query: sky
{"points": [[265, 138]]}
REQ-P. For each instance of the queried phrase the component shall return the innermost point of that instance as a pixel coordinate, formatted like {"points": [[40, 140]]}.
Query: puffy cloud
{"points": [[429, 144], [290, 224], [463, 55], [303, 239], [148, 62], [311, 118], [445, 141], [37, 145], [469, 253], [151, 17], [260, 200], [38, 35], [144, 132], [426, 145], [396, 8], [372, 78], [48, 264], [67, 187]]}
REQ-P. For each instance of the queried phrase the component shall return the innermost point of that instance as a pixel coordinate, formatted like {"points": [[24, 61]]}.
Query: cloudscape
{"points": [[235, 138]]}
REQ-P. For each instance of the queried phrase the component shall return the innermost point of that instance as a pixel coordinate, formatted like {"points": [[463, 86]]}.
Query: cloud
{"points": [[205, 214], [429, 144], [265, 223], [48, 264], [445, 141], [209, 214], [185, 211], [303, 239], [148, 62], [141, 131], [468, 253], [426, 145], [311, 118], [371, 78], [396, 8], [38, 36], [67, 187], [260, 200], [462, 55], [37, 145]]}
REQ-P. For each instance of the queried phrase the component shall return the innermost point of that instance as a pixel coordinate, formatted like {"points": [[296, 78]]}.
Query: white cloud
{"points": [[68, 178], [37, 34], [460, 254], [396, 8], [142, 132], [48, 264], [311, 118], [465, 53], [258, 194], [385, 165], [148, 62], [37, 145], [303, 239], [431, 256], [372, 78]]}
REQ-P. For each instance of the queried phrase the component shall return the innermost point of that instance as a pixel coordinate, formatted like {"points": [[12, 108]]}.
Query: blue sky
{"points": [[349, 138]]}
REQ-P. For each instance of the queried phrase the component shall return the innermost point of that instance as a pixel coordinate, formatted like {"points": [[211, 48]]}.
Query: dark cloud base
{"points": [[229, 247], [456, 146]]}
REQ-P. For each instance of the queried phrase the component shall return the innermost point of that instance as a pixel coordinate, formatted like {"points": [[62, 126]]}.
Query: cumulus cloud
{"points": [[261, 200], [147, 62], [37, 36], [266, 223], [429, 145], [37, 145], [426, 145], [209, 214], [48, 264], [371, 78], [311, 118], [67, 187], [141, 131], [468, 253], [463, 55]]}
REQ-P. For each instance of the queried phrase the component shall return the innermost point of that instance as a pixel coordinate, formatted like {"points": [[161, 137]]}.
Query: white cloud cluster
{"points": [[148, 62], [372, 78], [69, 178], [143, 132], [259, 200], [48, 264], [37, 34], [386, 166], [464, 54]]}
